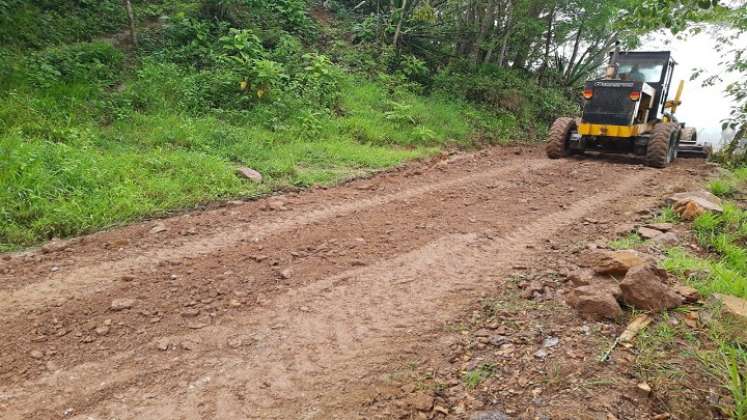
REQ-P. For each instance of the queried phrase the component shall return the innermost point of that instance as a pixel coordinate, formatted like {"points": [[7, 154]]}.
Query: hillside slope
{"points": [[95, 132]]}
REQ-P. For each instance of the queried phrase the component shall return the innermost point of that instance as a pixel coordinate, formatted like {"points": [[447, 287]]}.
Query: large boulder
{"points": [[692, 204], [615, 263], [643, 288], [594, 303]]}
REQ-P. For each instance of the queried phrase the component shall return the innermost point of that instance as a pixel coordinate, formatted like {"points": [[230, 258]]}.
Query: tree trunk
{"points": [[131, 18], [399, 24], [732, 147], [508, 27], [576, 45], [486, 25], [548, 42]]}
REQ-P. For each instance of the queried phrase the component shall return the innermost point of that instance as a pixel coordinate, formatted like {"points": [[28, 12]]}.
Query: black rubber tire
{"points": [[557, 140], [689, 134], [662, 148]]}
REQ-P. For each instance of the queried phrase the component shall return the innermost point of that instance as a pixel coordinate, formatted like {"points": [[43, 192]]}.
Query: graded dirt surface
{"points": [[307, 305]]}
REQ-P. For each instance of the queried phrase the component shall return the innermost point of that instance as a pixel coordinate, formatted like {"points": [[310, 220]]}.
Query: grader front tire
{"points": [[659, 153], [557, 142]]}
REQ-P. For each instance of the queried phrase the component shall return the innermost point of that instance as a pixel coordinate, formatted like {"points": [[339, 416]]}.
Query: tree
{"points": [[131, 19]]}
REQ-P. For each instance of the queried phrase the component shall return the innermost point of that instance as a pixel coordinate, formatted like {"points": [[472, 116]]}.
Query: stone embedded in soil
{"points": [[667, 239], [489, 415], [163, 344], [122, 304], [190, 313], [421, 402], [733, 305], [275, 204], [36, 354], [644, 389], [158, 228], [594, 303], [499, 340], [643, 288], [55, 245], [615, 262], [249, 174], [688, 293], [540, 354], [532, 290], [550, 342], [648, 233], [661, 227]]}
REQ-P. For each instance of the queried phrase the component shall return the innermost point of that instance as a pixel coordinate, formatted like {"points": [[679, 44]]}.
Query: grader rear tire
{"points": [[557, 141], [689, 134], [662, 148]]}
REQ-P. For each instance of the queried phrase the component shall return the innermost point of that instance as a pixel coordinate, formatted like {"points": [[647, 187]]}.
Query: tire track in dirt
{"points": [[298, 355], [87, 280]]}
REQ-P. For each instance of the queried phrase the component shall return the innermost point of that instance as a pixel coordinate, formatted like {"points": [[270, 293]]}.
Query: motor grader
{"points": [[627, 111]]}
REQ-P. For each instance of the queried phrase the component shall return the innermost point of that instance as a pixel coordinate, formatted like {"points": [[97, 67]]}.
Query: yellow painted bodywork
{"points": [[677, 101], [588, 129]]}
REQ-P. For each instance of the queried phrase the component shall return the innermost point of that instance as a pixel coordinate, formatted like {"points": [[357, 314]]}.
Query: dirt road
{"points": [[297, 306]]}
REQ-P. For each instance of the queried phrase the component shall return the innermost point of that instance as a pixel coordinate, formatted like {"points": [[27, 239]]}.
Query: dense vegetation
{"points": [[96, 129]]}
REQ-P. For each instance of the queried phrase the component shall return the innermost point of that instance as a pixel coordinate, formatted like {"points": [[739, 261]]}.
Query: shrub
{"points": [[94, 62], [506, 90]]}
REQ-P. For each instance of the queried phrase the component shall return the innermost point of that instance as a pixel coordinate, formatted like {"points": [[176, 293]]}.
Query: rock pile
{"points": [[623, 277]]}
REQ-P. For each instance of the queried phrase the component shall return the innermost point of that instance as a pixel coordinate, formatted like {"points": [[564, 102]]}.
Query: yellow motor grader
{"points": [[628, 112]]}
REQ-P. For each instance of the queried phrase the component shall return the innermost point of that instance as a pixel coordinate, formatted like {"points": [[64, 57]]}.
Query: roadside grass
{"points": [[722, 188], [667, 215], [729, 184], [630, 241], [718, 345], [69, 169]]}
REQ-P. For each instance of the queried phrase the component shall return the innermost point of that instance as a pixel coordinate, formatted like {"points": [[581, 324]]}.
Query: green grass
{"points": [[631, 241], [729, 184], [722, 188], [731, 368], [69, 166], [93, 135], [473, 378], [722, 353], [667, 215]]}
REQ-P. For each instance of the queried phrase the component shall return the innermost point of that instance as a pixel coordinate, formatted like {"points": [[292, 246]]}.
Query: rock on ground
{"points": [[421, 402], [594, 303], [688, 293], [249, 174], [615, 262], [661, 227], [121, 304], [643, 288], [648, 233], [667, 239], [733, 305], [692, 204], [489, 415]]}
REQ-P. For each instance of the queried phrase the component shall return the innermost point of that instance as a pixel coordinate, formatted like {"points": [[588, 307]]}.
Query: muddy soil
{"points": [[313, 304]]}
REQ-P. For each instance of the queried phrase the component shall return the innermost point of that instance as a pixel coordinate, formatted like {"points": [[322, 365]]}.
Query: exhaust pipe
{"points": [[613, 67]]}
